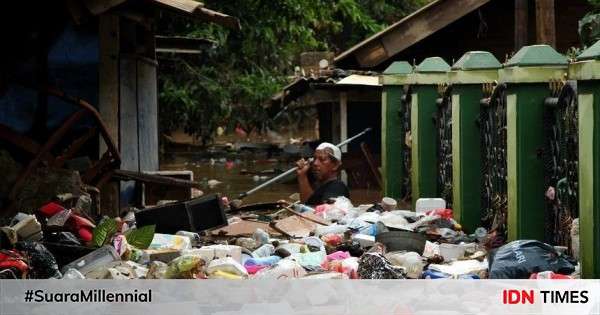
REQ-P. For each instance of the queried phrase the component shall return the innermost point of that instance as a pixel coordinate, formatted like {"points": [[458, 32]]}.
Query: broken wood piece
{"points": [[295, 226], [309, 216], [157, 179], [245, 228]]}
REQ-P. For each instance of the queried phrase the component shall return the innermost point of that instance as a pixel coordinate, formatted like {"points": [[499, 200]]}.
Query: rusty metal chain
{"points": [[406, 153], [561, 162], [492, 123], [443, 122]]}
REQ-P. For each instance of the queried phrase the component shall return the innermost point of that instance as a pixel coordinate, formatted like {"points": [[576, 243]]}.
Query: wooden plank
{"points": [[157, 179], [245, 228], [183, 6], [128, 131], [295, 226], [100, 6], [521, 23], [147, 100], [108, 93], [372, 164], [545, 22], [372, 54], [344, 119], [413, 29]]}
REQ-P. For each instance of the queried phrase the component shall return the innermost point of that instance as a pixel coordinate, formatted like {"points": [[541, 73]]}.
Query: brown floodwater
{"points": [[241, 172]]}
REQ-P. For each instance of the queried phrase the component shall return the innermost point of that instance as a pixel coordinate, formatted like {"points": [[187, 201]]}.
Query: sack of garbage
{"points": [[519, 259], [284, 269], [228, 265], [376, 266], [411, 261]]}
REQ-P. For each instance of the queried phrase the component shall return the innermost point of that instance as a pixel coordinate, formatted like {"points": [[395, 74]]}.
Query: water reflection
{"points": [[241, 172]]}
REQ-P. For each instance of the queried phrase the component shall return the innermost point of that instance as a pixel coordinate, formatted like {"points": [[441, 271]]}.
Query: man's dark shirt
{"points": [[331, 189]]}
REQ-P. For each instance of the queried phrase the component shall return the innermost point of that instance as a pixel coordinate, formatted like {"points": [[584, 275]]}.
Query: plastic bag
{"points": [[42, 263], [184, 267], [411, 261], [284, 269], [227, 264], [519, 259], [336, 211]]}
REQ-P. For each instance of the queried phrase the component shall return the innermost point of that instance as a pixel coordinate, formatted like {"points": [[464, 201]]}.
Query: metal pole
{"points": [[292, 170]]}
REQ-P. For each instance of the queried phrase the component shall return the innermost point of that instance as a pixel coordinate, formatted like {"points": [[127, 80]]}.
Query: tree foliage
{"points": [[228, 85]]}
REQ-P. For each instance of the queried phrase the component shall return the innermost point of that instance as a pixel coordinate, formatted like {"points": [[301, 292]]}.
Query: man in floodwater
{"points": [[326, 167]]}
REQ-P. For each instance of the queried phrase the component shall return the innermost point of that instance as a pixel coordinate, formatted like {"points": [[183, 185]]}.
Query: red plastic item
{"points": [[549, 275], [252, 269], [444, 213], [12, 259], [332, 239], [51, 209], [76, 223], [82, 226]]}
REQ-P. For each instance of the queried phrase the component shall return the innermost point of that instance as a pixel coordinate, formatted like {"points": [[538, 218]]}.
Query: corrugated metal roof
{"points": [[356, 79]]}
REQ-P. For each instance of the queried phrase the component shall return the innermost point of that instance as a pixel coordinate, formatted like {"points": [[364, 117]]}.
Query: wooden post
{"points": [[344, 118], [545, 22], [147, 99], [521, 23], [128, 113], [108, 99], [108, 91], [344, 127]]}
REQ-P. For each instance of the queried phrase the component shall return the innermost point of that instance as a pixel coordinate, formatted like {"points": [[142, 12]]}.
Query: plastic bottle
{"points": [[194, 237], [331, 229], [303, 208], [480, 234], [262, 261], [96, 259], [265, 250], [261, 237]]}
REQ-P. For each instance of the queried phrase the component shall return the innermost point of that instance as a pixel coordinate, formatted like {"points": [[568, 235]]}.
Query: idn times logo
{"points": [[545, 296]]}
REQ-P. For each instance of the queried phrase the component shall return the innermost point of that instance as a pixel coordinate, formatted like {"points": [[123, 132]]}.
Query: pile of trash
{"points": [[331, 241]]}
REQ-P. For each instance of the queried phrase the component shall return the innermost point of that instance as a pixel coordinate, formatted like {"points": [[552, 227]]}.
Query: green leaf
{"points": [[140, 237], [104, 231]]}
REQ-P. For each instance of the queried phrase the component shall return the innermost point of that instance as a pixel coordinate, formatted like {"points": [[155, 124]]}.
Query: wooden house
{"points": [[98, 52]]}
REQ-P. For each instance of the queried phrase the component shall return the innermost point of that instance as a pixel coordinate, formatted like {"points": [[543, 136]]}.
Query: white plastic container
{"points": [[427, 204], [452, 252], [101, 257], [389, 204], [364, 240], [211, 252]]}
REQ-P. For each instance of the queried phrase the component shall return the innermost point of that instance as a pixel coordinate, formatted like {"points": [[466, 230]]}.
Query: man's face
{"points": [[324, 165]]}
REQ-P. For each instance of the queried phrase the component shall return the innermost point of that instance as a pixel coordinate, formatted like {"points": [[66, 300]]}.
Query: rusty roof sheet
{"points": [[189, 8]]}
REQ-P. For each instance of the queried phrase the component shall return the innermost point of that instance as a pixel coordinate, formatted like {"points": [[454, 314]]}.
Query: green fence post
{"points": [[392, 129], [527, 75], [425, 80], [468, 75], [587, 72]]}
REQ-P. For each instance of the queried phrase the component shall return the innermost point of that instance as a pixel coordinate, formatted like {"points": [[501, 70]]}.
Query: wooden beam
{"points": [[157, 179], [344, 118], [521, 22], [100, 6], [147, 99], [108, 91], [411, 30], [545, 22]]}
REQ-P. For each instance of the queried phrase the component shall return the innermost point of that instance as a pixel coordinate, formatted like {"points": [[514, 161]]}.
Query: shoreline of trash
{"points": [[330, 241]]}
